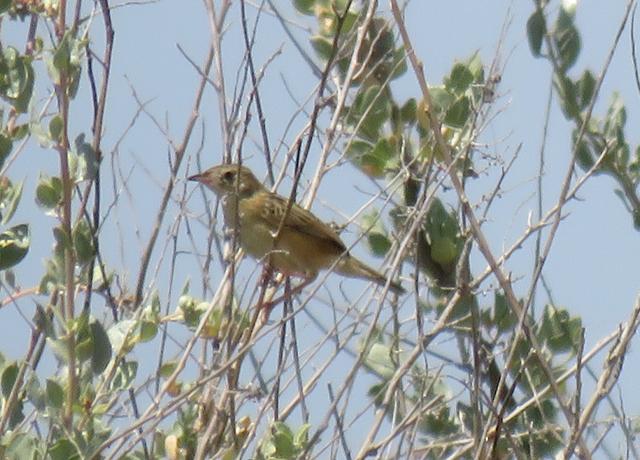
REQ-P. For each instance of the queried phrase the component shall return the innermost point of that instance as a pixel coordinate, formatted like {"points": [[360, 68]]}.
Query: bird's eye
{"points": [[228, 176]]}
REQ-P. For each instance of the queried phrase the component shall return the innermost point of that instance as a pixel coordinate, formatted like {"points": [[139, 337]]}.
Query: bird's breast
{"points": [[294, 252], [242, 216]]}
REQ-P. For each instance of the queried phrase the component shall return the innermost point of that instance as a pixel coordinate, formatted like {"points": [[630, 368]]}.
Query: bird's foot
{"points": [[267, 306]]}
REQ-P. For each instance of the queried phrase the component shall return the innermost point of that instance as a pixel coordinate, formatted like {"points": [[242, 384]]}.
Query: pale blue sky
{"points": [[593, 267]]}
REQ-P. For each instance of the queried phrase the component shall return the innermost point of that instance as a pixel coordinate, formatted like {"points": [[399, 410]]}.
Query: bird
{"points": [[302, 245]]}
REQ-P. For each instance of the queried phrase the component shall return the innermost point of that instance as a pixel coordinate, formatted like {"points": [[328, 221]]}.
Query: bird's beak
{"points": [[195, 177]]}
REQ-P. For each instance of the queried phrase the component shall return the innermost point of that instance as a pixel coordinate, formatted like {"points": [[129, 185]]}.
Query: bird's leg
{"points": [[291, 292], [268, 306], [265, 277], [267, 274]]}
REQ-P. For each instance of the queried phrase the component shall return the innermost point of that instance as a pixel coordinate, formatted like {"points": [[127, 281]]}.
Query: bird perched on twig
{"points": [[300, 245]]}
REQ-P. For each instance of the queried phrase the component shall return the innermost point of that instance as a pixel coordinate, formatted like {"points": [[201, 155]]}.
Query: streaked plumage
{"points": [[305, 245]]}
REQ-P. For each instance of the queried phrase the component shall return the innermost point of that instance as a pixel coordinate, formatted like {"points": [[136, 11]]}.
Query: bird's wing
{"points": [[299, 220]]}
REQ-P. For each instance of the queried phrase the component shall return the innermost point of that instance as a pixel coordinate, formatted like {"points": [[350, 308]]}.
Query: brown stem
{"points": [[179, 155]]}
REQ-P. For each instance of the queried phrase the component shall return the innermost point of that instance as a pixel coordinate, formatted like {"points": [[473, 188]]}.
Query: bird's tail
{"points": [[350, 266]]}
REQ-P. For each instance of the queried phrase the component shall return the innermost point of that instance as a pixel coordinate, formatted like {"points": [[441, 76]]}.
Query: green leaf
{"points": [[148, 331], [408, 111], [379, 43], [54, 274], [356, 149], [190, 313], [66, 61], [12, 195], [322, 46], [36, 394], [23, 98], [8, 379], [376, 162], [155, 297], [17, 414], [6, 145], [304, 6], [376, 392], [63, 240], [339, 5], [20, 132], [369, 122], [167, 369], [586, 88], [84, 339], [267, 449], [83, 162], [379, 244], [17, 84], [568, 93], [636, 219], [49, 192], [616, 119], [23, 445], [54, 394], [622, 154], [583, 154], [458, 113], [62, 55], [120, 336], [10, 279], [327, 21], [41, 134], [101, 348], [301, 437], [439, 422], [569, 7], [370, 110], [4, 6], [567, 40], [459, 79], [14, 245], [55, 128], [411, 191], [151, 311], [376, 234], [559, 330], [436, 218], [84, 347], [535, 32], [443, 233], [83, 242], [634, 166], [379, 360], [441, 99], [444, 251], [44, 321], [282, 439], [398, 63], [474, 64], [503, 319], [60, 349], [125, 375], [64, 450]]}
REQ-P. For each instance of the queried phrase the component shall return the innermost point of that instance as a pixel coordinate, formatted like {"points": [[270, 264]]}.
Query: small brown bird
{"points": [[305, 244]]}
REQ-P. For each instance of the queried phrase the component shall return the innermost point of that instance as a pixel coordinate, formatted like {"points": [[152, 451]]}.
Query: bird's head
{"points": [[229, 179]]}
